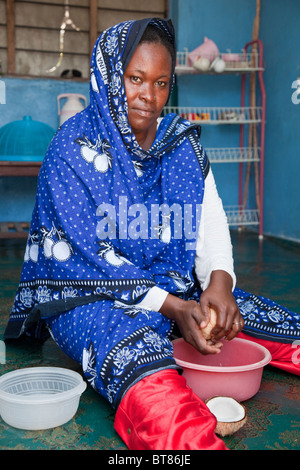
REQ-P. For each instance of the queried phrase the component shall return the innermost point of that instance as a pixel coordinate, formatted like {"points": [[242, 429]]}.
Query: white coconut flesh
{"points": [[230, 414]]}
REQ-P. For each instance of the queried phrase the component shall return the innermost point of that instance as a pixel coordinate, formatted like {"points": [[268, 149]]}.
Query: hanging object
{"points": [[72, 106], [65, 22]]}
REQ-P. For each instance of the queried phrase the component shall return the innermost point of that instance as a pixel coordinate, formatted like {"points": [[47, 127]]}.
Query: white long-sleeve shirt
{"points": [[213, 249]]}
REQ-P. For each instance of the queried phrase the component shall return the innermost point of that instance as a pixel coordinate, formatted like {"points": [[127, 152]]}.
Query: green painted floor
{"points": [[270, 268]]}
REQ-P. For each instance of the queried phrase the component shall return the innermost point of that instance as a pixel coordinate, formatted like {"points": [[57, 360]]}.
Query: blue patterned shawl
{"points": [[96, 230]]}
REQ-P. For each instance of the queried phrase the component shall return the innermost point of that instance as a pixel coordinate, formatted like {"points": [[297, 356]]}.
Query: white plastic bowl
{"points": [[40, 397]]}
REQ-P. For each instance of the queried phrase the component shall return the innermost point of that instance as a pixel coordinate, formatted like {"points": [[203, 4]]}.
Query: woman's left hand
{"points": [[218, 295]]}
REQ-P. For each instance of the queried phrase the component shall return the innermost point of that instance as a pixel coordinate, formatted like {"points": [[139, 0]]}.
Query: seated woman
{"points": [[128, 239]]}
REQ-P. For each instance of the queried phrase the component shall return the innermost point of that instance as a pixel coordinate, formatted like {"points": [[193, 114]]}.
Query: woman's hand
{"points": [[218, 295], [192, 317], [190, 320]]}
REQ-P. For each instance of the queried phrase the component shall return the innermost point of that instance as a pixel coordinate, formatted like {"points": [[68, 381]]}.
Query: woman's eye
{"points": [[135, 79], [161, 84]]}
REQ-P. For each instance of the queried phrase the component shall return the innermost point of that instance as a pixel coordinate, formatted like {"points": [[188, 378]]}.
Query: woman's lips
{"points": [[143, 112]]}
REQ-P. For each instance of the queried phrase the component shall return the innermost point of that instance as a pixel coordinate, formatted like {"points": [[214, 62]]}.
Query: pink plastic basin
{"points": [[235, 372]]}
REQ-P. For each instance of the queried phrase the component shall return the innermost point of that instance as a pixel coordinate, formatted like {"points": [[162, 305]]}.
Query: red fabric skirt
{"points": [[285, 356], [160, 412]]}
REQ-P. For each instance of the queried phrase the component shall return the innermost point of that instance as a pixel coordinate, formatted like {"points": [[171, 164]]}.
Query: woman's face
{"points": [[147, 83]]}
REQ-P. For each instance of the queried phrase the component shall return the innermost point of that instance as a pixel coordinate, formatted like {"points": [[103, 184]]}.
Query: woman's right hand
{"points": [[190, 320]]}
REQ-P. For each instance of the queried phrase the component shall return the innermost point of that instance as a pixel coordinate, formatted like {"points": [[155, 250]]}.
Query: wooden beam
{"points": [[19, 168], [93, 23], [167, 10], [11, 47], [14, 229]]}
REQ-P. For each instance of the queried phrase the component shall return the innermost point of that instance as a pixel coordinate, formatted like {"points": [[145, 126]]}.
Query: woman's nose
{"points": [[147, 93]]}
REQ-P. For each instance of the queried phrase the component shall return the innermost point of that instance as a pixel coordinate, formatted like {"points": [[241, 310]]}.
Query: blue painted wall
{"points": [[229, 24], [281, 37], [36, 98]]}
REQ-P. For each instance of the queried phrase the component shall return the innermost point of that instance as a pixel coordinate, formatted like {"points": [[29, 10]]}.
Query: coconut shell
{"points": [[227, 428], [211, 324]]}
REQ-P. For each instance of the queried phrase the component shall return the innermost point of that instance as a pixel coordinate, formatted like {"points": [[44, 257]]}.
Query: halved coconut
{"points": [[206, 332], [230, 414]]}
